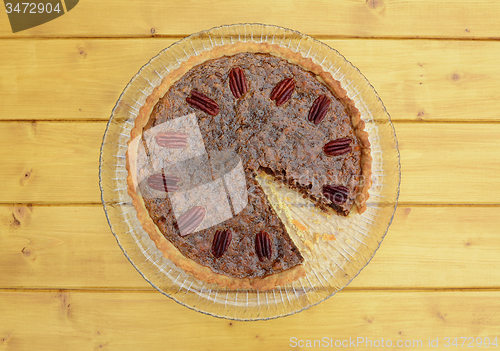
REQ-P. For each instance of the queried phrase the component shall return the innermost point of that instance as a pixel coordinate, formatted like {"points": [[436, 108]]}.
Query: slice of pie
{"points": [[213, 124]]}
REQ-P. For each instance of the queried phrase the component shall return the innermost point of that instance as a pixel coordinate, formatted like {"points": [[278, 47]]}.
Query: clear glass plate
{"points": [[335, 248]]}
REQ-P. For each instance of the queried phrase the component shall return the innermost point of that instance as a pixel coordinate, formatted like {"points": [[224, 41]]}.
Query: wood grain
{"points": [[353, 18], [449, 163], [58, 162], [52, 160], [71, 247], [62, 247], [137, 320], [81, 79], [437, 247]]}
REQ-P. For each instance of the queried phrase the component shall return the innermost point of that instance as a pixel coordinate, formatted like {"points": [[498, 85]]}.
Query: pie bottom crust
{"points": [[168, 249]]}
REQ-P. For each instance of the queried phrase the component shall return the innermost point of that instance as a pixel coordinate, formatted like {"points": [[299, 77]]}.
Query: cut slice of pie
{"points": [[212, 125]]}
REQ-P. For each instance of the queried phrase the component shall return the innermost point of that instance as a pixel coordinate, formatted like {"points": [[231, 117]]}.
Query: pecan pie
{"points": [[213, 124]]}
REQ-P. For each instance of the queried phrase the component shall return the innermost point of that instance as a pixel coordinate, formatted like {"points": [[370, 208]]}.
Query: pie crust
{"points": [[165, 246]]}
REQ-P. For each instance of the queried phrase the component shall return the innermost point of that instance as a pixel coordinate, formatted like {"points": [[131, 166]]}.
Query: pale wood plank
{"points": [[81, 79], [68, 79], [58, 160], [71, 247], [441, 163], [425, 80], [356, 18], [139, 321], [449, 163], [437, 247]]}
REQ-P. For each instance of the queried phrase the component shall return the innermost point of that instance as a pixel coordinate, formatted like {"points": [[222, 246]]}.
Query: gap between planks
{"points": [[92, 204], [153, 290], [434, 121], [182, 36]]}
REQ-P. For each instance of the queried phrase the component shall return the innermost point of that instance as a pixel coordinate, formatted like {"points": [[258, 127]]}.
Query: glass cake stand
{"points": [[335, 248]]}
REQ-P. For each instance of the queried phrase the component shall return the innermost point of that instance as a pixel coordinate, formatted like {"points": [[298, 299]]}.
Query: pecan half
{"points": [[237, 82], [163, 182], [336, 193], [283, 91], [263, 246], [172, 140], [222, 239], [190, 220], [319, 109], [203, 102], [337, 147]]}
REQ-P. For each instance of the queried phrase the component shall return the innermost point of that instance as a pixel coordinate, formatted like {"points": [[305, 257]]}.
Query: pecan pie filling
{"points": [[275, 117]]}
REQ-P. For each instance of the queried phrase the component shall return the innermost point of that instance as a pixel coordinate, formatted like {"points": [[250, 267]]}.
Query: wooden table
{"points": [[66, 285]]}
